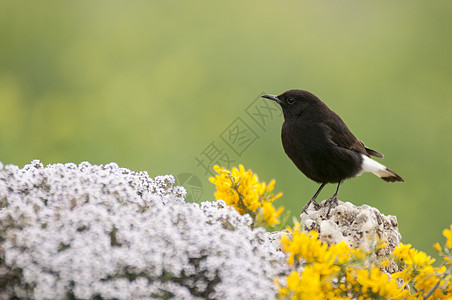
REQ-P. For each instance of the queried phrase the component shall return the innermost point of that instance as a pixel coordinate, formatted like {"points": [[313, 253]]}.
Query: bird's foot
{"points": [[332, 202], [311, 201]]}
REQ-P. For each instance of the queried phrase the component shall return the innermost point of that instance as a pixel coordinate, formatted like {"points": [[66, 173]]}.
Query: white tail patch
{"points": [[372, 166]]}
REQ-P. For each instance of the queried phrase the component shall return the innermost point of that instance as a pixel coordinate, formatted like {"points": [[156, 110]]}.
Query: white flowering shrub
{"points": [[105, 232]]}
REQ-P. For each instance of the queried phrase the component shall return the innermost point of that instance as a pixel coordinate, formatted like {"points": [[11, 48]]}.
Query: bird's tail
{"points": [[374, 167], [388, 175]]}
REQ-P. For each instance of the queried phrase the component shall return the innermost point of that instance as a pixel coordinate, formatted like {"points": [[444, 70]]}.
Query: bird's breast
{"points": [[296, 143]]}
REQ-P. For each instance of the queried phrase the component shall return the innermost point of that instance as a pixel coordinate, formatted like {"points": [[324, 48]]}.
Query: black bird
{"points": [[320, 144]]}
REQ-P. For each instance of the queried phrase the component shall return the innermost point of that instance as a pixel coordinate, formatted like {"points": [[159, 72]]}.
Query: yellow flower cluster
{"points": [[242, 190], [446, 253], [339, 272], [422, 277]]}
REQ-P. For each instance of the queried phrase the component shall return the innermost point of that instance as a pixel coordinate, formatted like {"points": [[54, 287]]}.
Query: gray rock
{"points": [[274, 238], [358, 226]]}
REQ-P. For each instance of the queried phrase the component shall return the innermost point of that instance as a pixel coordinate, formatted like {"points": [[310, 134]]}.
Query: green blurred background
{"points": [[151, 84]]}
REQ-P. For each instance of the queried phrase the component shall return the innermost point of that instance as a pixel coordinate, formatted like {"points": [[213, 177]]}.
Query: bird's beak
{"points": [[272, 97]]}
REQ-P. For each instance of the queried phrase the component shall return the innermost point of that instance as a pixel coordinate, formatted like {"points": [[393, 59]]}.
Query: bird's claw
{"points": [[311, 201], [332, 201]]}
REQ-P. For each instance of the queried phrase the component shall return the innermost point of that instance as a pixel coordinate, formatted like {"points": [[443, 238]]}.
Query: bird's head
{"points": [[294, 102]]}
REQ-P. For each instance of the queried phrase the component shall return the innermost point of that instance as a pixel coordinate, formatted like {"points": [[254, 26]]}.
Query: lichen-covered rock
{"points": [[359, 226], [105, 232], [274, 238]]}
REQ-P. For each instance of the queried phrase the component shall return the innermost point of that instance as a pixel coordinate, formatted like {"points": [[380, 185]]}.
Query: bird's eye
{"points": [[290, 100]]}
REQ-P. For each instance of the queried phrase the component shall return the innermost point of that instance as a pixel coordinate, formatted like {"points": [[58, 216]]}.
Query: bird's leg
{"points": [[317, 206], [333, 199]]}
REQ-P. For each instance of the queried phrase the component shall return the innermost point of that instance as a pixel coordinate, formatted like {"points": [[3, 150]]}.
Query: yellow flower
{"points": [[411, 256], [293, 283], [374, 282], [426, 278], [305, 245], [311, 284], [269, 214], [242, 190], [437, 247], [448, 234]]}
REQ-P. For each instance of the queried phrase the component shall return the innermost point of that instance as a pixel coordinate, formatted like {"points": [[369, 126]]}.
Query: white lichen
{"points": [[101, 231]]}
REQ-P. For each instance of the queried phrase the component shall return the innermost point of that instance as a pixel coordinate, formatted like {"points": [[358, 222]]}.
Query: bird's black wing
{"points": [[343, 137]]}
